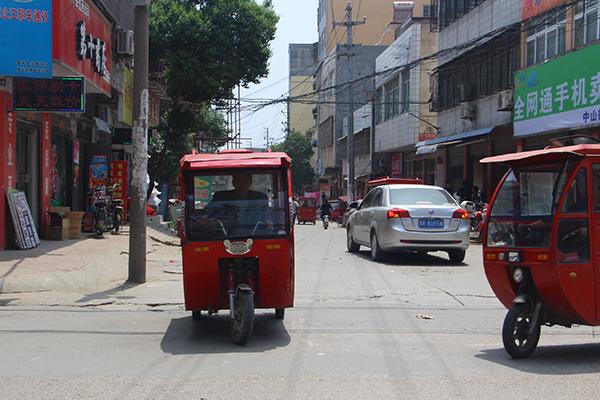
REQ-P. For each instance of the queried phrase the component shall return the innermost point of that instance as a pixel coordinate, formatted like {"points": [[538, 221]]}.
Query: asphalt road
{"points": [[409, 328]]}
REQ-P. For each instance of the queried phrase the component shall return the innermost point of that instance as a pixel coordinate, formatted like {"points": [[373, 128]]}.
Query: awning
{"points": [[554, 154], [102, 125], [456, 138]]}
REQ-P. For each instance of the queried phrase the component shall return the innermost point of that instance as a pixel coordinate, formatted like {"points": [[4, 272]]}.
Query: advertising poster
{"points": [[202, 191], [26, 38], [98, 171], [119, 176]]}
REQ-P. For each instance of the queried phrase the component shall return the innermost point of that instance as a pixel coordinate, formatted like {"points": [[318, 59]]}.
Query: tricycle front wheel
{"points": [[242, 321], [518, 341], [279, 313]]}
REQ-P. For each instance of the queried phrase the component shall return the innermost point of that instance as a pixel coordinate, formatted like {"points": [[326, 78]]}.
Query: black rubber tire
{"points": [[242, 323], [196, 315], [353, 247], [376, 252], [457, 256], [117, 222], [279, 313], [517, 343]]}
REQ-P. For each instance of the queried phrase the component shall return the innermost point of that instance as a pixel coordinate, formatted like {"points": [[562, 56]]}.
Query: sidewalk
{"points": [[90, 272]]}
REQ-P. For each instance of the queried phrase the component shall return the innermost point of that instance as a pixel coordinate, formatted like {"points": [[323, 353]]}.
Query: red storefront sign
{"points": [[396, 165], [118, 171], [8, 163], [427, 136], [531, 8], [46, 147], [81, 38]]}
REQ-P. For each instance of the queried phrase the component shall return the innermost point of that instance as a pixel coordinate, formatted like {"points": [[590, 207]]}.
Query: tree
{"points": [[208, 47], [299, 148], [176, 138]]}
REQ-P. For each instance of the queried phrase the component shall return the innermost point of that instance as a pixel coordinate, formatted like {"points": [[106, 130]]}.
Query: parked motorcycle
{"points": [[108, 212], [116, 211], [477, 212]]}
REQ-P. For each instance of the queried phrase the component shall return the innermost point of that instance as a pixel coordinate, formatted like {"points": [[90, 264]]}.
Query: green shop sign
{"points": [[560, 94]]}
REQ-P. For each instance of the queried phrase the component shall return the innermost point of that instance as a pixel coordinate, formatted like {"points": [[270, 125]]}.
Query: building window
{"points": [[546, 36], [587, 23], [451, 10], [479, 73], [379, 106], [392, 97], [405, 87]]}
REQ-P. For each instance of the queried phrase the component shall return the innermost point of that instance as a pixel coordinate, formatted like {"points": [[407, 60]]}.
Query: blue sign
{"points": [[26, 38]]}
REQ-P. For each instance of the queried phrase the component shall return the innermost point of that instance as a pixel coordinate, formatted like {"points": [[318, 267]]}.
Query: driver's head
{"points": [[242, 182]]}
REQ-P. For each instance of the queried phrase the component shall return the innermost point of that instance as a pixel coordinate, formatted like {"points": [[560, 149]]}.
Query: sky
{"points": [[297, 24]]}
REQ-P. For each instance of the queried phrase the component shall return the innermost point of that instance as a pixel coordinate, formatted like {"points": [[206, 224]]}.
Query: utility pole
{"points": [[349, 24], [139, 187], [267, 137]]}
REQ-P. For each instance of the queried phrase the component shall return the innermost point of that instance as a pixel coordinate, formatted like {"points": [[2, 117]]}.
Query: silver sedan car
{"points": [[414, 218]]}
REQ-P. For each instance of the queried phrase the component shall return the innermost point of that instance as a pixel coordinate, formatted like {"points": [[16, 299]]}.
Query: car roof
{"points": [[426, 187]]}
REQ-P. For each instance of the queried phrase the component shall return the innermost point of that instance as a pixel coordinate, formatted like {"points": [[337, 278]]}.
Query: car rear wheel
{"points": [[376, 252], [353, 247], [457, 256]]}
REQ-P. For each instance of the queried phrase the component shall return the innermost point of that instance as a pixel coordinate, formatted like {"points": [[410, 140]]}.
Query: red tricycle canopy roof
{"points": [[553, 154], [241, 159]]}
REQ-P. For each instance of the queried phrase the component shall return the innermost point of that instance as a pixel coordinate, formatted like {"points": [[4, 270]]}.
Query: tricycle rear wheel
{"points": [[196, 315], [242, 321], [518, 342]]}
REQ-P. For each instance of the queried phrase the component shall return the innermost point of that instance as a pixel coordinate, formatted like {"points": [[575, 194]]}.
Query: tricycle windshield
{"points": [[521, 215], [237, 205]]}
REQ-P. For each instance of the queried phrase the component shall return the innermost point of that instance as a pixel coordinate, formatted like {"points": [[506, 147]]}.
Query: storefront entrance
{"points": [[28, 167]]}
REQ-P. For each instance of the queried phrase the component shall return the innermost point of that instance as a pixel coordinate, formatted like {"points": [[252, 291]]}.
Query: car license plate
{"points": [[431, 223]]}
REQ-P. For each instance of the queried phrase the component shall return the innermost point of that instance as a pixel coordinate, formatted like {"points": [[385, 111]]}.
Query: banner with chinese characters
{"points": [[560, 94], [118, 171], [81, 41], [531, 8], [26, 38]]}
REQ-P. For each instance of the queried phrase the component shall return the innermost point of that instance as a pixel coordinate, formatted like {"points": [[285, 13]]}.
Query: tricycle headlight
{"points": [[518, 275], [514, 257]]}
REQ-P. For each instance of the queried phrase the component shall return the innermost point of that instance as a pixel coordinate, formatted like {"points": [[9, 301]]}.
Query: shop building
{"points": [[557, 93], [402, 114], [56, 128], [471, 89]]}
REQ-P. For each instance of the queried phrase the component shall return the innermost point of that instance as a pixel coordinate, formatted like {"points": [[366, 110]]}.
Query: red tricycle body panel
{"points": [[545, 219], [307, 210]]}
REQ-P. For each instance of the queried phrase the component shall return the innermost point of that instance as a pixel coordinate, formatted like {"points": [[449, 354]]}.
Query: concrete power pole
{"points": [[139, 187], [349, 24], [267, 137]]}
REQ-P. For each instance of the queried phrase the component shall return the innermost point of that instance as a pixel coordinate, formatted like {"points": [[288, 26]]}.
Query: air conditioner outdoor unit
{"points": [[467, 111], [505, 101], [125, 43]]}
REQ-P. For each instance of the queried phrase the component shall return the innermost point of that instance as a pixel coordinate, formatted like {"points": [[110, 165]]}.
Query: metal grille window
{"points": [[392, 97], [379, 106], [546, 36], [587, 23], [477, 74], [450, 11], [405, 76]]}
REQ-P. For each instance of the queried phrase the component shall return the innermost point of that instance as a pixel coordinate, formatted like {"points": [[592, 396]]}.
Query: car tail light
{"points": [[397, 213], [461, 214]]}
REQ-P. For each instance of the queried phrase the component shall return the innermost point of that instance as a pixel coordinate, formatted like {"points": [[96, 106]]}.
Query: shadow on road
{"points": [[571, 359], [211, 335], [414, 260]]}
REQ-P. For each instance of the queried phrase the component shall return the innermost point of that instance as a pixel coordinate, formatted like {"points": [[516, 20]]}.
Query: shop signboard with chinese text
{"points": [[126, 98], [118, 170], [396, 165], [560, 94], [531, 8], [57, 94], [26, 38], [82, 41]]}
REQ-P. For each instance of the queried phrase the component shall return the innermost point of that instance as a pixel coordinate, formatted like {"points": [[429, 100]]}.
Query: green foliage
{"points": [[210, 46], [176, 133], [299, 148]]}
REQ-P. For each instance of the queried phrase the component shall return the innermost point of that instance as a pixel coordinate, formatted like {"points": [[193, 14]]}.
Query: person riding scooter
{"points": [[326, 212]]}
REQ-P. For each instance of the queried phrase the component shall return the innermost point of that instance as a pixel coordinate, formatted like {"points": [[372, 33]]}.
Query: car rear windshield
{"points": [[426, 197]]}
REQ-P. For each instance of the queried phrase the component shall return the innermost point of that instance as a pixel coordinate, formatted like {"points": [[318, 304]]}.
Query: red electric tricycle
{"points": [[542, 242], [307, 210], [237, 238]]}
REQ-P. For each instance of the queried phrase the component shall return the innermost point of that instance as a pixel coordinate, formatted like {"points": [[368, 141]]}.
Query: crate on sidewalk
{"points": [[75, 218], [59, 223]]}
